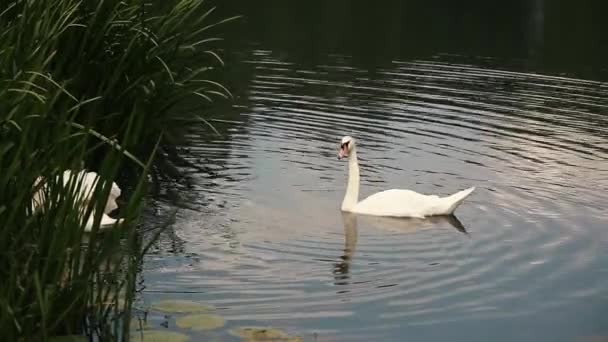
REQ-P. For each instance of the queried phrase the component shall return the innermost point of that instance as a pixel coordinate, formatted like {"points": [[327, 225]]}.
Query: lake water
{"points": [[491, 97]]}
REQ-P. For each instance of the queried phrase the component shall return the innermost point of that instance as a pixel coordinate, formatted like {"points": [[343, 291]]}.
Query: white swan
{"points": [[85, 184], [394, 202]]}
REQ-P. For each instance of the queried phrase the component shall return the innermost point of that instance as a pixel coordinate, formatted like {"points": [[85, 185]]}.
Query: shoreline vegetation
{"points": [[101, 86]]}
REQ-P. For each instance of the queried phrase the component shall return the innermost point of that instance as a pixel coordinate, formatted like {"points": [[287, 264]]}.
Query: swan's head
{"points": [[347, 144]]}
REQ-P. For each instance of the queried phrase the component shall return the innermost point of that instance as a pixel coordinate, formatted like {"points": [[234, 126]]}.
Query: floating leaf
{"points": [[257, 334], [200, 322], [180, 306], [159, 336]]}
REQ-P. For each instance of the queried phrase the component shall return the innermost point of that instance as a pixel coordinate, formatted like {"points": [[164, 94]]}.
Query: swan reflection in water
{"points": [[341, 268]]}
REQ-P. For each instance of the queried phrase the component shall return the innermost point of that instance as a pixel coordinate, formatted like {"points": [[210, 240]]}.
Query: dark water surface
{"points": [[440, 98]]}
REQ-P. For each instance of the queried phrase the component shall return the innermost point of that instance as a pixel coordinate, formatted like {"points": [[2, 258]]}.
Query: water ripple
{"points": [[271, 244]]}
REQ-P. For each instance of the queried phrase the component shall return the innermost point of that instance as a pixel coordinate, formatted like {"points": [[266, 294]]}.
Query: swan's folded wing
{"points": [[111, 204], [398, 203]]}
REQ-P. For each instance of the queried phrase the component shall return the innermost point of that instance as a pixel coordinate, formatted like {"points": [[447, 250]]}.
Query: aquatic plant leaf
{"points": [[180, 306], [159, 336], [259, 334], [200, 322]]}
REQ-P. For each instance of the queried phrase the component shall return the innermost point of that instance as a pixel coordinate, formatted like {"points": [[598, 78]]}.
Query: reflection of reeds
{"points": [[82, 83]]}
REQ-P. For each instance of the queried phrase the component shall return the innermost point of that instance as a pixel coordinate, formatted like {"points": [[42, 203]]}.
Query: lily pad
{"points": [[180, 306], [200, 322], [258, 334], [159, 336]]}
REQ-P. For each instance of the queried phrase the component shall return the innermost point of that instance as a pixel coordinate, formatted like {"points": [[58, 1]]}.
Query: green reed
{"points": [[95, 84]]}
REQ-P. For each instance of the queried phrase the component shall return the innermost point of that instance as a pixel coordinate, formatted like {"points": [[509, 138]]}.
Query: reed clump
{"points": [[97, 85]]}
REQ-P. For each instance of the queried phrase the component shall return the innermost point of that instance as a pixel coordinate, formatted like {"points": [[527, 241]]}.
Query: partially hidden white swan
{"points": [[85, 185], [394, 202]]}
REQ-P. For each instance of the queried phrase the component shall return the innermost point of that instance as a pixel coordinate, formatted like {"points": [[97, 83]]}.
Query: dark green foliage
{"points": [[95, 84]]}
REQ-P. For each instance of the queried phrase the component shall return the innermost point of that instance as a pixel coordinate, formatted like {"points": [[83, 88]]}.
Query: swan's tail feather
{"points": [[454, 200]]}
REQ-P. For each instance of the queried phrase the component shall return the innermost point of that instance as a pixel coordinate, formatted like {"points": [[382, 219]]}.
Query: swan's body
{"points": [[407, 203], [85, 183], [394, 202]]}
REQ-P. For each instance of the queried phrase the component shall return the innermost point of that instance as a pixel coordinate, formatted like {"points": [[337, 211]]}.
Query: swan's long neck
{"points": [[352, 189]]}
